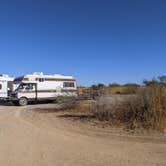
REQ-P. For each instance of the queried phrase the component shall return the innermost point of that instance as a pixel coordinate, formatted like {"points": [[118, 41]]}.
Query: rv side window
{"points": [[68, 84], [0, 86], [40, 79]]}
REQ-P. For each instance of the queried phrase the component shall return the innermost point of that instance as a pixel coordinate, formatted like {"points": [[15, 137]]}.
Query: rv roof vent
{"points": [[38, 73]]}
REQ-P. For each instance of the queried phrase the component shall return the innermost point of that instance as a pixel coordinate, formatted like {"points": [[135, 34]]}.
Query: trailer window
{"points": [[0, 86], [68, 84]]}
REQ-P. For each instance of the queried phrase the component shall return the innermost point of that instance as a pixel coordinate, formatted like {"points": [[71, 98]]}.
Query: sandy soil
{"points": [[31, 138]]}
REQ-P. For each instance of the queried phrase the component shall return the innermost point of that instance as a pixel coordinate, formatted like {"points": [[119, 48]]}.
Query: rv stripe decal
{"points": [[39, 91], [68, 90], [58, 79], [49, 91], [46, 79]]}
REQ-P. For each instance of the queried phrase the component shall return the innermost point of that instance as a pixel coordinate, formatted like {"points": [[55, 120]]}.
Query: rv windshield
{"points": [[25, 86], [21, 86]]}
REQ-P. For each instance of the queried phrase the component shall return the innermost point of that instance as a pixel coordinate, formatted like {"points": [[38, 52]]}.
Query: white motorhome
{"points": [[38, 86], [6, 86]]}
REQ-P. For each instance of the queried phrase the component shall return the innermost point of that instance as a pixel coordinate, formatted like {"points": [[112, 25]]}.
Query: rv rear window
{"points": [[0, 86], [68, 84]]}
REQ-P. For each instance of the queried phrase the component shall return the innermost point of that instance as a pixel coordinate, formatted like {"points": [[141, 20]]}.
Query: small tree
{"points": [[98, 86], [131, 88], [114, 85], [162, 79], [154, 81], [159, 80]]}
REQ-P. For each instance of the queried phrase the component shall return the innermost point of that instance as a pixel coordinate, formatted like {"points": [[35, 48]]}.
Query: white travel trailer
{"points": [[38, 86], [6, 85]]}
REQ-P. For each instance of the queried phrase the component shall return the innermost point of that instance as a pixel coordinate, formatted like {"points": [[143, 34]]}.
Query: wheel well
{"points": [[23, 97]]}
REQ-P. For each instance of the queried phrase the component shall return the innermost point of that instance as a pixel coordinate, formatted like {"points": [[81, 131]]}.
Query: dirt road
{"points": [[27, 139]]}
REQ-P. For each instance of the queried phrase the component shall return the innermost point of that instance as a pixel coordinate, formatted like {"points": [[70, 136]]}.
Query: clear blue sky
{"points": [[94, 40]]}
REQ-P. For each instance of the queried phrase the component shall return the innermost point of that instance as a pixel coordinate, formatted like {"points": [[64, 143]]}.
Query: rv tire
{"points": [[23, 101]]}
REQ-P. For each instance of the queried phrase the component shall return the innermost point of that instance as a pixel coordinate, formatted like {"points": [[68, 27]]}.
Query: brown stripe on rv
{"points": [[58, 79], [68, 90], [47, 91], [39, 91], [52, 79]]}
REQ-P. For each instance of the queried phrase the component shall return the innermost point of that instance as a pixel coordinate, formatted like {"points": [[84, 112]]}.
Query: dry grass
{"points": [[145, 110]]}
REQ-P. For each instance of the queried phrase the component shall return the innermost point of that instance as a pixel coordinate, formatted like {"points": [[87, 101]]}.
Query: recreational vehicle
{"points": [[37, 86], [6, 86]]}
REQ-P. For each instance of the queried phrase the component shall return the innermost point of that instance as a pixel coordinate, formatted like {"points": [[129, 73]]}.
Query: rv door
{"points": [[28, 90], [10, 87], [32, 89]]}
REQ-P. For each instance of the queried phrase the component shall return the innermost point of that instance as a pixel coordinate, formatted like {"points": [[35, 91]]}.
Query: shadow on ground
{"points": [[77, 117], [5, 103], [48, 110], [8, 103], [67, 114]]}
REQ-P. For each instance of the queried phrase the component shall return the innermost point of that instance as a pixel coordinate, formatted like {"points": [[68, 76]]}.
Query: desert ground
{"points": [[32, 136]]}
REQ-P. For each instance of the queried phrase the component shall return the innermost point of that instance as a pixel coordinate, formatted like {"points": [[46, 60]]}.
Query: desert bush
{"points": [[67, 103], [146, 109], [131, 88], [105, 108], [101, 111]]}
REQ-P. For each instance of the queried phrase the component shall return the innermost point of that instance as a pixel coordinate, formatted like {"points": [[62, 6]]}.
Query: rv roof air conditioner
{"points": [[38, 73], [58, 75]]}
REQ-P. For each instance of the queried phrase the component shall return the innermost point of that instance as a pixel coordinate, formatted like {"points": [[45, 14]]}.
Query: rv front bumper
{"points": [[11, 99]]}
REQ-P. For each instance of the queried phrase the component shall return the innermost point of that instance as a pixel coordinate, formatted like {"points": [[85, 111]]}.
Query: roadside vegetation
{"points": [[138, 107], [145, 110]]}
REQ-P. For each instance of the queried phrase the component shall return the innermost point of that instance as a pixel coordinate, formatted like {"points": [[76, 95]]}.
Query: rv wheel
{"points": [[23, 101]]}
